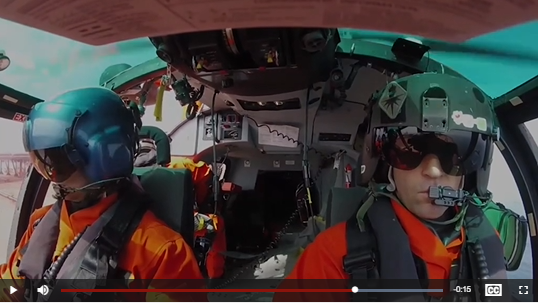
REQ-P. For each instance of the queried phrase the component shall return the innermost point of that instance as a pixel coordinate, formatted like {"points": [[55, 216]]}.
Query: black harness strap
{"points": [[37, 253], [360, 260], [485, 252], [99, 264], [364, 261]]}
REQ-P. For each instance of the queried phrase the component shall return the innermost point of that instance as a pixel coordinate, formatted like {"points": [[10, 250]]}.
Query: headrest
{"points": [[147, 144], [343, 202]]}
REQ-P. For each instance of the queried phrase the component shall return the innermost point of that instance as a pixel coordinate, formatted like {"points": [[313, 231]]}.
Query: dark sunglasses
{"points": [[406, 152]]}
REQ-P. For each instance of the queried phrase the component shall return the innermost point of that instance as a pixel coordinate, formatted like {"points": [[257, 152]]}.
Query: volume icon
{"points": [[44, 290]]}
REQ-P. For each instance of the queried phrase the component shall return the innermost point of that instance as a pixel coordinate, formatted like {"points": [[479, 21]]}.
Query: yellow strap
{"points": [[320, 219], [158, 111], [309, 199], [200, 225]]}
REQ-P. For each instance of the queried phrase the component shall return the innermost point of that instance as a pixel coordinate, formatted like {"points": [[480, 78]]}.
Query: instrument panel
{"points": [[229, 127]]}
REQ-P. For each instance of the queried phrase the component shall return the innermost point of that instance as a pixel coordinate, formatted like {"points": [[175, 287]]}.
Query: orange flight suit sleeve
{"points": [[173, 267], [171, 272], [10, 271], [319, 267]]}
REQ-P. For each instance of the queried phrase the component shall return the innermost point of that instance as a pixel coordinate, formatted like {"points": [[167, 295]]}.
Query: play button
{"points": [[12, 290]]}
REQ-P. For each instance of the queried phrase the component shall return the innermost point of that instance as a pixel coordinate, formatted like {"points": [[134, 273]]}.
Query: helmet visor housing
{"points": [[422, 114], [46, 137]]}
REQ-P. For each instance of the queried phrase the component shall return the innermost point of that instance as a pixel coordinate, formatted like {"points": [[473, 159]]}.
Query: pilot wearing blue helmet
{"points": [[84, 142]]}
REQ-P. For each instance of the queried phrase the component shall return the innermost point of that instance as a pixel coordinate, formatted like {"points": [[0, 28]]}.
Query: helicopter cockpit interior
{"points": [[282, 109]]}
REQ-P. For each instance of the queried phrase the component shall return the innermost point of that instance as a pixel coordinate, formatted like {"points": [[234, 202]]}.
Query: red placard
{"points": [[19, 117]]}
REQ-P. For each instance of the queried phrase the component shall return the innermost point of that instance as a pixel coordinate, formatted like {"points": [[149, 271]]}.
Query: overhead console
{"points": [[253, 61]]}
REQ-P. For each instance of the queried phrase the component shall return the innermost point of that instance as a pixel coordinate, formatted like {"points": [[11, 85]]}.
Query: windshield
{"points": [[43, 64]]}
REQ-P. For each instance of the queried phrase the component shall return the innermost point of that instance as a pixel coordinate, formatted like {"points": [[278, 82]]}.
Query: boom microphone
{"points": [[446, 196]]}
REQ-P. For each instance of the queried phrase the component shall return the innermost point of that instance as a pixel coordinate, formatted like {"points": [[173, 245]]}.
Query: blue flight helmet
{"points": [[89, 130]]}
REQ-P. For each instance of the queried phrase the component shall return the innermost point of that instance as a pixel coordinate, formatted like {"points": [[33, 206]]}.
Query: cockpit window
{"points": [[488, 72], [14, 163], [505, 191]]}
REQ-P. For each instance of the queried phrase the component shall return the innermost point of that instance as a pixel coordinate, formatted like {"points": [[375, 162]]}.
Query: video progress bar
{"points": [[355, 289], [316, 290]]}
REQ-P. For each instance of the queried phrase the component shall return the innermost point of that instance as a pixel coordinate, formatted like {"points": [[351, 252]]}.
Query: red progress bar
{"points": [[206, 290]]}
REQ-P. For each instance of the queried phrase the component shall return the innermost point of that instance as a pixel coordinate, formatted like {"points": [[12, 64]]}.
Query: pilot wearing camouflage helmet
{"points": [[432, 133]]}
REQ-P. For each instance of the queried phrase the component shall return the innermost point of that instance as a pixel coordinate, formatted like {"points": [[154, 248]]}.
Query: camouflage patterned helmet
{"points": [[431, 114]]}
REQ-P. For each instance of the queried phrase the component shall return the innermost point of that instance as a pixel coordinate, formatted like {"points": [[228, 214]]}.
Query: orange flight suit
{"points": [[202, 175], [322, 260], [215, 260], [155, 252]]}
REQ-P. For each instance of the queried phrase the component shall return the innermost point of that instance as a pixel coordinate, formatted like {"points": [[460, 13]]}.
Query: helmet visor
{"points": [[53, 164], [459, 152], [48, 126]]}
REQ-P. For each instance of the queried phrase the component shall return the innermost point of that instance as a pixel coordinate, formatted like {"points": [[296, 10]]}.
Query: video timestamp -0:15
{"points": [[463, 289]]}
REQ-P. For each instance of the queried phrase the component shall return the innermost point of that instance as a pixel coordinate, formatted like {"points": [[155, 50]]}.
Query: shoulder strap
{"points": [[40, 248], [38, 252], [360, 259], [373, 236], [485, 251], [99, 263]]}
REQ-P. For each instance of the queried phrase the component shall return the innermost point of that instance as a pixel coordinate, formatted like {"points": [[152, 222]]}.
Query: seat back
{"points": [[342, 203], [172, 192]]}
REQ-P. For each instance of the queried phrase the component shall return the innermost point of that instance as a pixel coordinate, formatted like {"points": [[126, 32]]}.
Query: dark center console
{"points": [[254, 61]]}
